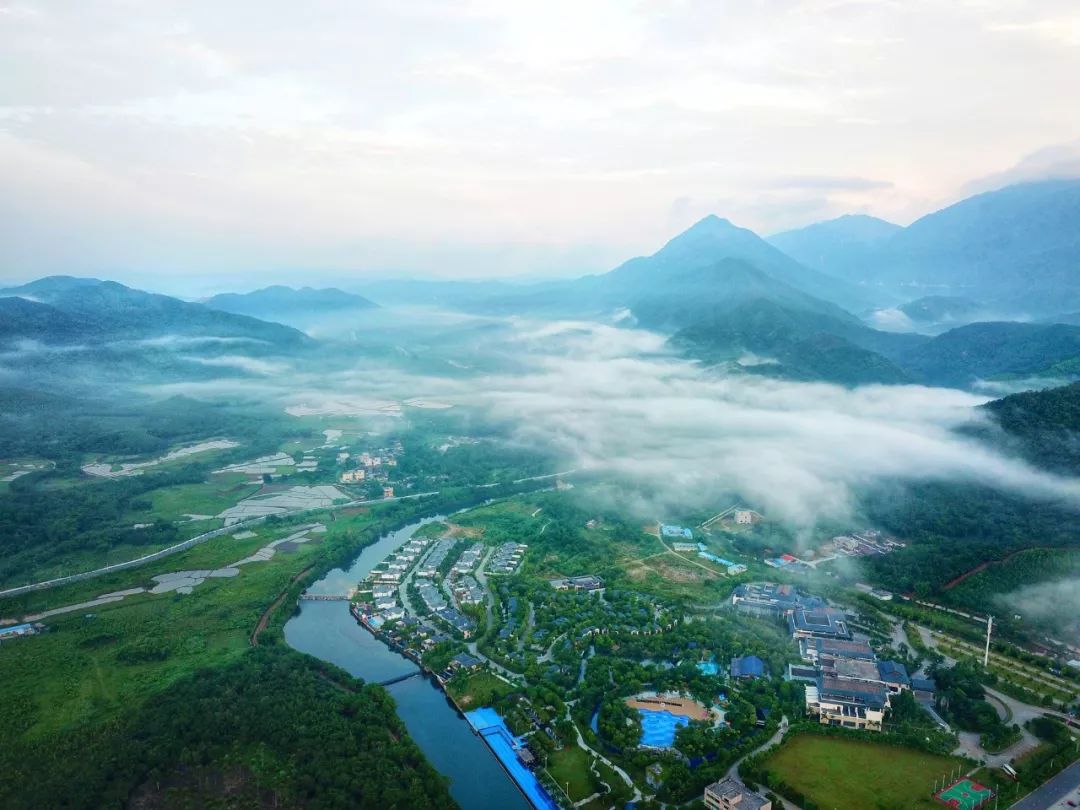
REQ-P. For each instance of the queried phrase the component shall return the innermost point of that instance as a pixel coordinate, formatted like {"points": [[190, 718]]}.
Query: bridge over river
{"points": [[326, 597]]}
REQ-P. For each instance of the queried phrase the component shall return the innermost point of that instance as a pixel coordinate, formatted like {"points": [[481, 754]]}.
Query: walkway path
{"points": [[775, 739], [489, 598], [622, 774], [264, 620]]}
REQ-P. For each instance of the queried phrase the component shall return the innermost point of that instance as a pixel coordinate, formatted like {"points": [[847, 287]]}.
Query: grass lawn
{"points": [[88, 670], [478, 690], [855, 775], [570, 768]]}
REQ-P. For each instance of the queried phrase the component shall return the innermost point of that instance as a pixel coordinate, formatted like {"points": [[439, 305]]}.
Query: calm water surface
{"points": [[327, 631]]}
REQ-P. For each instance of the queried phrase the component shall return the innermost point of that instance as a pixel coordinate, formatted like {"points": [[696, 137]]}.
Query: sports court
{"points": [[965, 795]]}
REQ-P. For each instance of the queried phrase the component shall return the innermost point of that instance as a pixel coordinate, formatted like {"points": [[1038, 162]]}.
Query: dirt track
{"points": [[264, 620]]}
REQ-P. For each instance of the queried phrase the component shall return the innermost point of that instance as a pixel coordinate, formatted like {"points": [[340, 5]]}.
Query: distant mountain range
{"points": [[288, 305], [807, 346], [60, 333], [725, 295], [1016, 249], [844, 246], [60, 309]]}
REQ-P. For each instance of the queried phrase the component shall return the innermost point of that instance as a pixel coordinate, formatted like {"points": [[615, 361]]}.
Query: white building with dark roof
{"points": [[730, 794]]}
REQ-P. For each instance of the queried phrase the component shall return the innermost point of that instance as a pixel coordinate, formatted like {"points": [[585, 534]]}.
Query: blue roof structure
{"points": [[858, 693], [893, 672], [489, 724], [923, 684], [675, 531], [16, 630], [749, 666], [840, 648]]}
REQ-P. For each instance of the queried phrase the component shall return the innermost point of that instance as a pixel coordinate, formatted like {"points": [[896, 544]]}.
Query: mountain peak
{"points": [[712, 223]]}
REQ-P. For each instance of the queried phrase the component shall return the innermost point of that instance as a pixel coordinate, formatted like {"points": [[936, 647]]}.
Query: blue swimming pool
{"points": [[708, 668], [658, 727]]}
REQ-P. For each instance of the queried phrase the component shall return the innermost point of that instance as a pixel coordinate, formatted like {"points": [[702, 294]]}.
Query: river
{"points": [[327, 631]]}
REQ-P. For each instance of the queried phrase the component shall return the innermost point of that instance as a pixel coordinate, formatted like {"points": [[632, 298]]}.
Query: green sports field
{"points": [[966, 795], [854, 775]]}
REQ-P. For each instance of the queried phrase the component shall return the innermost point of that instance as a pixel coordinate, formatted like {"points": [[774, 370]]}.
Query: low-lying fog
{"points": [[616, 400]]}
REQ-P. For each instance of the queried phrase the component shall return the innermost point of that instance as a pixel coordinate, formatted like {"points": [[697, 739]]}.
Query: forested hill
{"points": [[273, 729], [273, 302], [1043, 425], [59, 309]]}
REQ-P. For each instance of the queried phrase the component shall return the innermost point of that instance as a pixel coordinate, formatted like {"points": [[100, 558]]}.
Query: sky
{"points": [[197, 146]]}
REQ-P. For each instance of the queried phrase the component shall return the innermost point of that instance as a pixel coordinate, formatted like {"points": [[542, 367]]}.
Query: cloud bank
{"points": [[609, 400], [673, 434]]}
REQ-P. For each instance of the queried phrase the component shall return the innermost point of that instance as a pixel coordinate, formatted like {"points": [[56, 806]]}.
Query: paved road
{"points": [[1021, 712], [481, 577], [775, 739], [186, 544], [1056, 793], [238, 526]]}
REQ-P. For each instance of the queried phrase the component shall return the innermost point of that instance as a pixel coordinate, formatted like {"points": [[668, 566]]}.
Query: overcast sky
{"points": [[210, 144]]}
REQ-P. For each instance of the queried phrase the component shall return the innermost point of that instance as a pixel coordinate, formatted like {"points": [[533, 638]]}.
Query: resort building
{"points": [[587, 582], [818, 623], [772, 600], [848, 703], [816, 649], [730, 794]]}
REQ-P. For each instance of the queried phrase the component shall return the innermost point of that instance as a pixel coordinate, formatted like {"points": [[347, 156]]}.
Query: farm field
{"points": [[177, 502], [854, 775]]}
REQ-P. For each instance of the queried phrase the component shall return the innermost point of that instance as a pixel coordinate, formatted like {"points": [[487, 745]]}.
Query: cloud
{"points": [[825, 183], [1055, 162], [1055, 604], [668, 434], [684, 437], [251, 365], [488, 138]]}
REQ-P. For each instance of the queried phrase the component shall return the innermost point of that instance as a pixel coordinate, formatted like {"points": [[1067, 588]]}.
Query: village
{"points": [[652, 683]]}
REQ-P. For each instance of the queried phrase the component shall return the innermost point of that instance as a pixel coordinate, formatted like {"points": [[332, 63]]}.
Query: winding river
{"points": [[327, 631]]}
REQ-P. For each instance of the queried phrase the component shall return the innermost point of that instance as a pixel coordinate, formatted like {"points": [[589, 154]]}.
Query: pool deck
{"points": [[682, 707]]}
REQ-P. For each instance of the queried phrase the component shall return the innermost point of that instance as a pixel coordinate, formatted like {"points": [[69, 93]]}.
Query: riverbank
{"points": [[323, 629]]}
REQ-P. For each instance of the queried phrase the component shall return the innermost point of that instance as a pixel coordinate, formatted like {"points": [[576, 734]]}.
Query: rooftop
{"points": [[737, 794]]}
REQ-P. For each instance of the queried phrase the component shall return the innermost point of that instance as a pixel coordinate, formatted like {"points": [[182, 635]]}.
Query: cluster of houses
{"points": [[846, 684], [384, 582], [370, 467], [463, 584], [686, 544], [507, 558]]}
